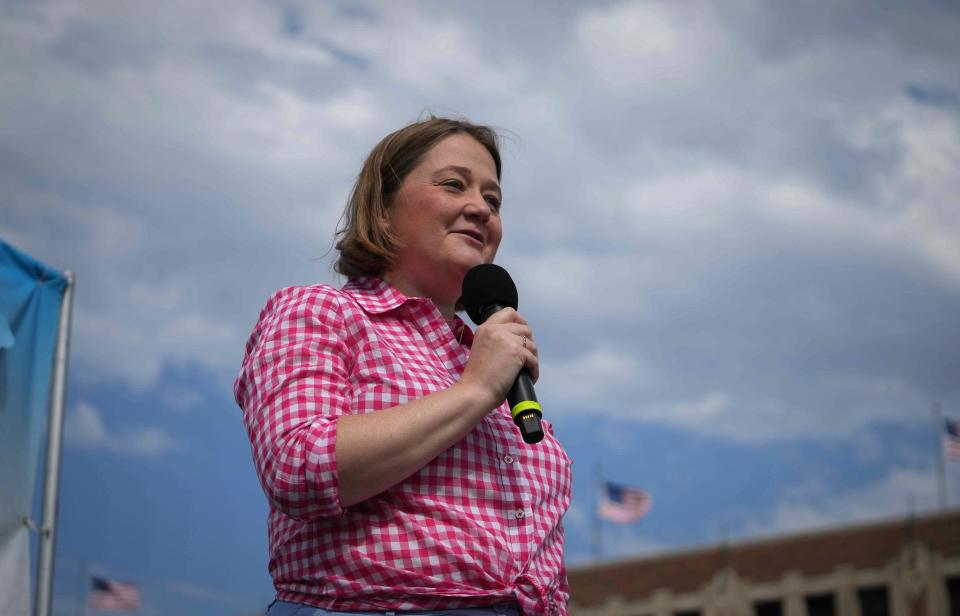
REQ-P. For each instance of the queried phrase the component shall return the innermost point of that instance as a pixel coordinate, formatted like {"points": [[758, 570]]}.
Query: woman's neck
{"points": [[447, 309]]}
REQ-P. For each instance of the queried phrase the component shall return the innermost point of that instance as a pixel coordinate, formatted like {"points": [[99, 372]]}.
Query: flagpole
{"points": [[597, 522], [941, 465], [82, 583], [51, 480]]}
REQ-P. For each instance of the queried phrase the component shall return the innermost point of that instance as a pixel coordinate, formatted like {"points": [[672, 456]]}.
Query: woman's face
{"points": [[446, 218]]}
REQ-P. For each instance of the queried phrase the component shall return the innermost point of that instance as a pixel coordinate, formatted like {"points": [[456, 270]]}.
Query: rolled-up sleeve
{"points": [[292, 387]]}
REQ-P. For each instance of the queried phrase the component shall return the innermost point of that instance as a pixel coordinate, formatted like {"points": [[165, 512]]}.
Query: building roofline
{"points": [[758, 541]]}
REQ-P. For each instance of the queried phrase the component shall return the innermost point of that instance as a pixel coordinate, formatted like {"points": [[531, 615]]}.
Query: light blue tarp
{"points": [[30, 298]]}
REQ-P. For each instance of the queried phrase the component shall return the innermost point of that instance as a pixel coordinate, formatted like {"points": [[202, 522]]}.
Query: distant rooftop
{"points": [[766, 560]]}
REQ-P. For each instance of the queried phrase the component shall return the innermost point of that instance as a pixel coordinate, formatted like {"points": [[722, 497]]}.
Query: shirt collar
{"points": [[375, 295]]}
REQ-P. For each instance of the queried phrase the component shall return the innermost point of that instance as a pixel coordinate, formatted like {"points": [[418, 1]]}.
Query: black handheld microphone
{"points": [[488, 288]]}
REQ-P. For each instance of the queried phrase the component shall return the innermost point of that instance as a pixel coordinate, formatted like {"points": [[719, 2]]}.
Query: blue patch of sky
{"points": [[933, 95], [705, 489], [292, 22], [294, 27], [198, 510], [357, 12], [342, 55]]}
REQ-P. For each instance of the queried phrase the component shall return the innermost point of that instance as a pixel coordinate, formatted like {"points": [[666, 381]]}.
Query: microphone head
{"points": [[487, 285]]}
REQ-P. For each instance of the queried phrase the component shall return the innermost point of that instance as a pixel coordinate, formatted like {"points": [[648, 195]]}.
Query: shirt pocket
{"points": [[388, 373]]}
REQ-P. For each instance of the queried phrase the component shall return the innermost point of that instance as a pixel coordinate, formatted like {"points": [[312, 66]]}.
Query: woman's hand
{"points": [[502, 347], [378, 450]]}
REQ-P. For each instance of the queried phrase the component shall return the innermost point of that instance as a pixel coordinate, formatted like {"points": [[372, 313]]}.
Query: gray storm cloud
{"points": [[733, 220]]}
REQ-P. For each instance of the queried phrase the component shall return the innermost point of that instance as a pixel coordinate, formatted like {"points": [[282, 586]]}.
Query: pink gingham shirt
{"points": [[479, 525]]}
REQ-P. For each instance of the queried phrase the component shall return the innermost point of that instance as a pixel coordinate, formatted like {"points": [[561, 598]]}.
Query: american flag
{"points": [[951, 440], [111, 596], [622, 504]]}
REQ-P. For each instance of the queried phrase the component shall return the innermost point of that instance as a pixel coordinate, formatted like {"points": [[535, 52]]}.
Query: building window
{"points": [[773, 607], [687, 613], [821, 605], [874, 601], [953, 594]]}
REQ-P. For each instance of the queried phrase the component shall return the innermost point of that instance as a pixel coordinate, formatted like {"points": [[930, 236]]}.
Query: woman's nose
{"points": [[477, 206]]}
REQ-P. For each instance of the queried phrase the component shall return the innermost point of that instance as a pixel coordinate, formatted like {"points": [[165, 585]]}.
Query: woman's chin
{"points": [[466, 261], [469, 265]]}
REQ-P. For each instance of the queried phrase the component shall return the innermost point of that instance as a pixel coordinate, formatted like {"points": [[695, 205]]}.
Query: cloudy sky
{"points": [[735, 228]]}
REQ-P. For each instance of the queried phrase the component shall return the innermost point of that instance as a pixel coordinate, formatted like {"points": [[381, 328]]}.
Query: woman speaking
{"points": [[396, 479]]}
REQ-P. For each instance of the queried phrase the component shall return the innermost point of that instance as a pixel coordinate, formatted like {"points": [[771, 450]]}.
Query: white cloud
{"points": [[900, 492], [694, 202], [129, 346], [736, 224], [542, 111], [176, 27], [649, 222], [181, 398], [166, 297], [291, 132], [923, 190], [580, 286], [188, 171], [618, 541], [85, 428], [707, 409], [258, 30], [114, 348], [430, 52], [718, 203], [599, 374], [269, 124], [650, 46], [188, 335], [749, 417], [114, 233]]}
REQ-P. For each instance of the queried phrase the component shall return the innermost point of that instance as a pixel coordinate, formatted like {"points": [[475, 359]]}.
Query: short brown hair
{"points": [[365, 243]]}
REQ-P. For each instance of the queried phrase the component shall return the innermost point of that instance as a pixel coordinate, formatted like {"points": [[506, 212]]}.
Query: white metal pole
{"points": [[83, 584], [598, 487], [941, 471], [51, 480]]}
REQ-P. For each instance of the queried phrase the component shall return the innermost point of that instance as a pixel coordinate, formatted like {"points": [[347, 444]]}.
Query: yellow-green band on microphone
{"points": [[525, 406]]}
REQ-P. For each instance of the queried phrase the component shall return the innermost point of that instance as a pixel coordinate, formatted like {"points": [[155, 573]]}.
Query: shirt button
{"points": [[508, 459], [519, 513]]}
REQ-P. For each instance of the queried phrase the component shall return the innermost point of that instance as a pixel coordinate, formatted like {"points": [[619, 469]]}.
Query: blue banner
{"points": [[30, 298]]}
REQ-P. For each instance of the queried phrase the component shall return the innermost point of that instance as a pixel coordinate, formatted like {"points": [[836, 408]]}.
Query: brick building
{"points": [[908, 567]]}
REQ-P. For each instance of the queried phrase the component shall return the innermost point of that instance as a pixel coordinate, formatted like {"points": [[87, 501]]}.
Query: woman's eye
{"points": [[455, 184], [494, 203]]}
